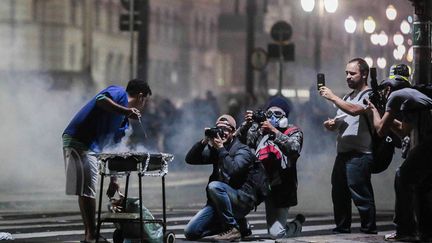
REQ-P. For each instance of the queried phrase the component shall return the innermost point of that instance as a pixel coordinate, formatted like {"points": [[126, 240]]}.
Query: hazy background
{"points": [[57, 54]]}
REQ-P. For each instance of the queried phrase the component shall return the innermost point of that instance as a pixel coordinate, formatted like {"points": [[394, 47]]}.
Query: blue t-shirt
{"points": [[96, 127]]}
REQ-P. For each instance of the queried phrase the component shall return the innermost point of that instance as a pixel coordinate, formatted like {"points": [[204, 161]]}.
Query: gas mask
{"points": [[277, 118]]}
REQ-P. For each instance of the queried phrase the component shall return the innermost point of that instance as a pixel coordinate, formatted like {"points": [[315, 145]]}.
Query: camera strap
{"points": [[359, 98]]}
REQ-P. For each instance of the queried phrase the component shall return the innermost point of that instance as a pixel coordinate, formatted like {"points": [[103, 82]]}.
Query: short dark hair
{"points": [[136, 86], [363, 66]]}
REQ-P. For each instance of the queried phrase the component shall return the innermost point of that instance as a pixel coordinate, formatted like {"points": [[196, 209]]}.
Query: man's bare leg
{"points": [[88, 211]]}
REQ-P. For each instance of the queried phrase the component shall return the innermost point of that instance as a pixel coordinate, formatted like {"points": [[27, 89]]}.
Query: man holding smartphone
{"points": [[351, 177]]}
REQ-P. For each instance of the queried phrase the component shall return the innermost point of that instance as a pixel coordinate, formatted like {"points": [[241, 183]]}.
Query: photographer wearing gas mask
{"points": [[277, 145], [224, 213], [407, 112], [351, 175]]}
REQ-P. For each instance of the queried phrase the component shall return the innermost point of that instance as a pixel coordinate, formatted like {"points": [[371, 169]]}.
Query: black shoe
{"points": [[244, 227], [340, 231], [294, 228], [246, 233], [368, 231]]}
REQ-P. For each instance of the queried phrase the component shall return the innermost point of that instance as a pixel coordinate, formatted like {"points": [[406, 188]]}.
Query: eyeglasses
{"points": [[277, 114]]}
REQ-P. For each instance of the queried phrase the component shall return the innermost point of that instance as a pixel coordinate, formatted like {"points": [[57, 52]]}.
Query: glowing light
{"points": [[401, 49], [369, 25], [391, 12], [405, 27], [410, 55], [381, 62], [398, 39], [369, 61], [410, 19], [308, 5], [331, 5], [350, 25], [397, 55], [374, 38], [383, 38]]}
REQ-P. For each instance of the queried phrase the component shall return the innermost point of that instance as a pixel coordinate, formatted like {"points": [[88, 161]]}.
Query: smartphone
{"points": [[320, 80]]}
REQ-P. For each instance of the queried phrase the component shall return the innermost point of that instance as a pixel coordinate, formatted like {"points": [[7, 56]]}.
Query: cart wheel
{"points": [[118, 236], [169, 237]]}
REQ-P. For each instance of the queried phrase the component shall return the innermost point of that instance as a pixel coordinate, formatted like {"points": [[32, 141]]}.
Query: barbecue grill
{"points": [[123, 164]]}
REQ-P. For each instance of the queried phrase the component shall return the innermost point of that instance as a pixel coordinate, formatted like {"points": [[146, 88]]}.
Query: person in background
{"points": [[101, 122]]}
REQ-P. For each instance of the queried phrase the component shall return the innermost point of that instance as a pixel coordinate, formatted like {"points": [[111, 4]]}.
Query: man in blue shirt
{"points": [[101, 122]]}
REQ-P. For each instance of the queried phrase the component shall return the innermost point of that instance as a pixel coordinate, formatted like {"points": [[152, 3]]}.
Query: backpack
{"points": [[382, 150], [256, 183], [426, 89], [382, 147]]}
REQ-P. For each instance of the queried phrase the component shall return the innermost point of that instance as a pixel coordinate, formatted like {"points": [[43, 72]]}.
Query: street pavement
{"points": [[67, 227], [35, 214]]}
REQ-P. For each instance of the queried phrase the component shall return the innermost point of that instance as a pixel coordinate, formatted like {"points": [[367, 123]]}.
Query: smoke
{"points": [[34, 116]]}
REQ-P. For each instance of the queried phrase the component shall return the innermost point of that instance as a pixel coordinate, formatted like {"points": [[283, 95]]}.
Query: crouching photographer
{"points": [[277, 144], [224, 213]]}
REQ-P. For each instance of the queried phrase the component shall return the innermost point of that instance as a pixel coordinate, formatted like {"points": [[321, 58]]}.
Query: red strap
{"points": [[291, 130], [266, 151]]}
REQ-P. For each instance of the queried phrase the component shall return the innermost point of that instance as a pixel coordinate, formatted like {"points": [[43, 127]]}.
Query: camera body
{"points": [[259, 116], [375, 97], [214, 132]]}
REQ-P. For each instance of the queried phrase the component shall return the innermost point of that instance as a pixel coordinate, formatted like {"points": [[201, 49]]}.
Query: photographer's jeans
{"points": [[414, 180], [219, 214], [351, 179]]}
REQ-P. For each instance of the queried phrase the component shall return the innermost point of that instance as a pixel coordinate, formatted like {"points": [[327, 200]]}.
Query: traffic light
{"points": [[126, 18]]}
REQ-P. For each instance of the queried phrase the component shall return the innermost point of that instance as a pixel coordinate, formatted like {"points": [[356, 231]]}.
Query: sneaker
{"points": [[398, 237], [294, 228], [229, 235]]}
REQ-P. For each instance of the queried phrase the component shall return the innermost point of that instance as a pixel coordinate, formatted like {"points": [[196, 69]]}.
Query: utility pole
{"points": [[87, 30], [143, 39], [251, 9], [422, 32]]}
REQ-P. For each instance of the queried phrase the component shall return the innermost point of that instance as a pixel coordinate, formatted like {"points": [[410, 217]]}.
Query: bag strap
{"points": [[361, 94], [291, 130]]}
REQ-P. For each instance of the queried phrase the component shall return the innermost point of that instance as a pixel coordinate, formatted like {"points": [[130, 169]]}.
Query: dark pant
{"points": [[351, 179], [413, 187]]}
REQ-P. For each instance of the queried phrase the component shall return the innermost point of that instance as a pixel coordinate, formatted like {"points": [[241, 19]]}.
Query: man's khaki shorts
{"points": [[81, 172]]}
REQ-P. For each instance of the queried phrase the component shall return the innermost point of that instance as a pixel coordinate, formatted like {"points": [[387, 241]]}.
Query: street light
{"points": [[410, 54], [381, 62], [369, 25], [375, 38], [398, 39], [350, 25], [331, 5], [401, 49], [391, 12], [397, 55], [308, 5], [405, 27], [383, 38], [369, 61]]}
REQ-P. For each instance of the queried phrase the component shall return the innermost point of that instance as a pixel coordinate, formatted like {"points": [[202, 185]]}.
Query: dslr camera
{"points": [[214, 132], [259, 116]]}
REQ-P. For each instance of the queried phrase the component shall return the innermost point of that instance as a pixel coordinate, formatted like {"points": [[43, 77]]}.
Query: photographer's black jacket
{"points": [[230, 163], [284, 194]]}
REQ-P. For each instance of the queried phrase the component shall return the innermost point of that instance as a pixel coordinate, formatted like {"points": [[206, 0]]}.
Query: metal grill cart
{"points": [[144, 164]]}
